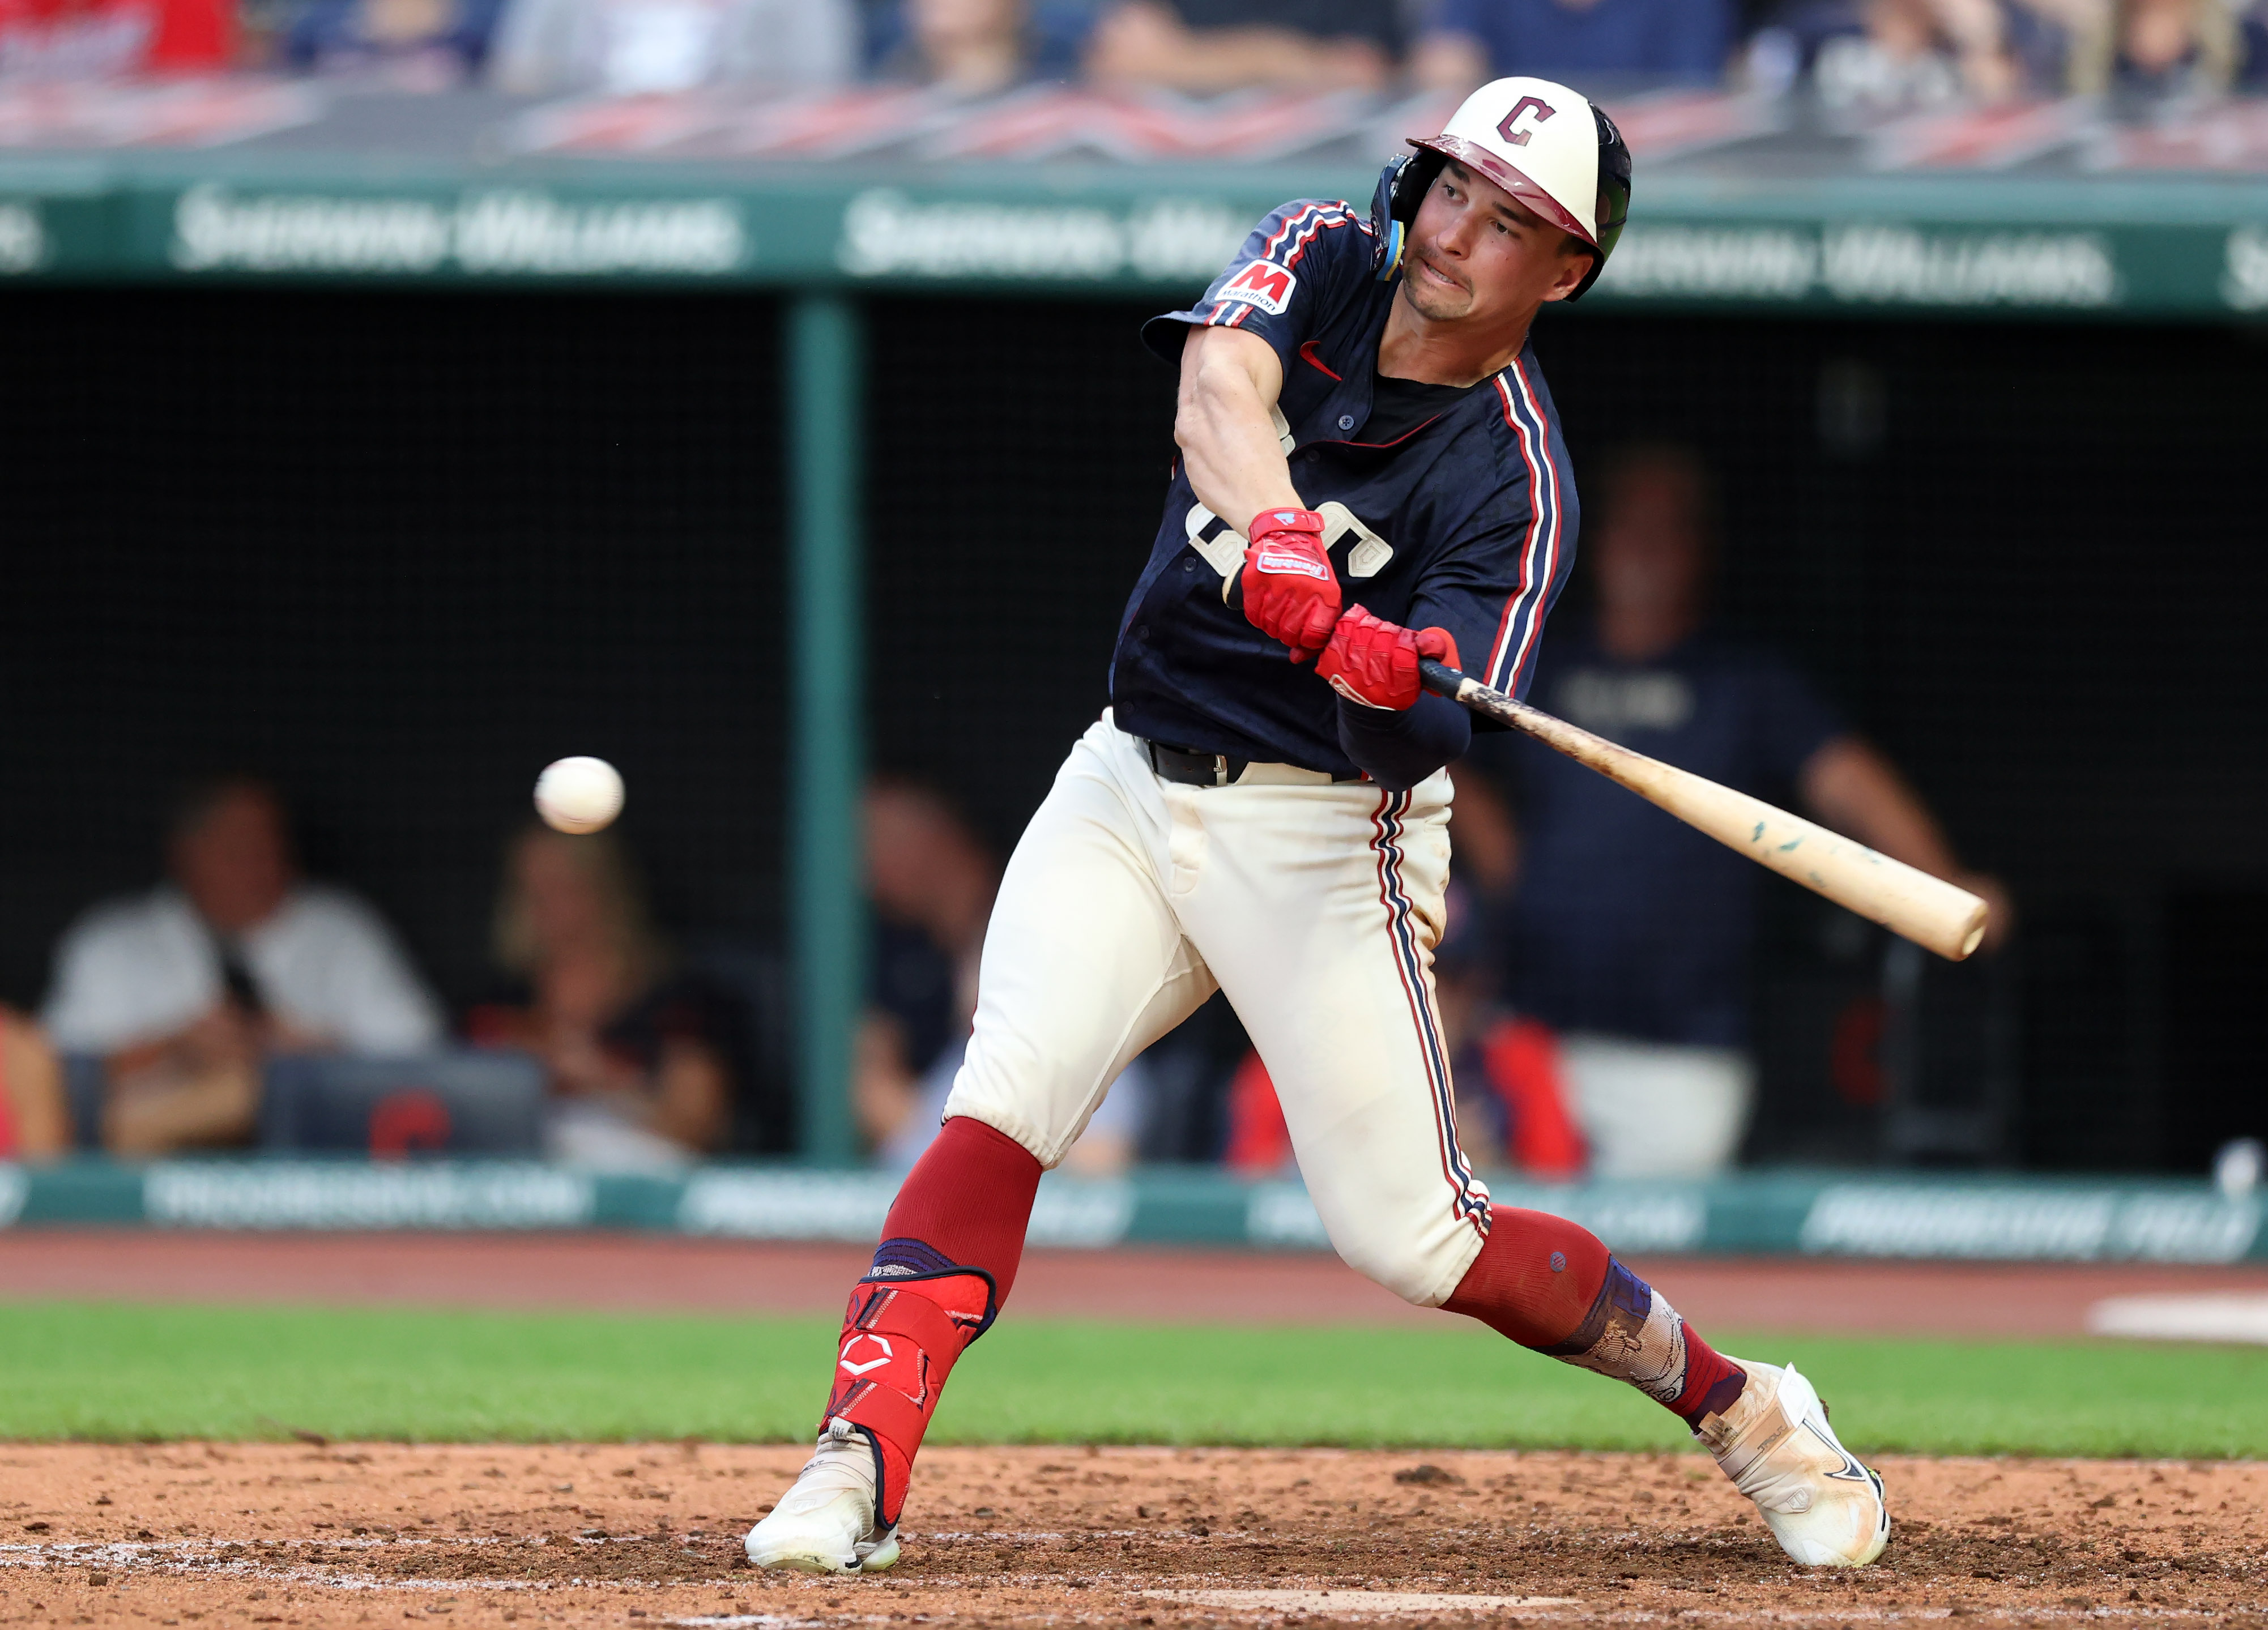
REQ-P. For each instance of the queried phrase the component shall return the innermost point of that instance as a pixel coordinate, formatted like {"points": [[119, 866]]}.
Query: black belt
{"points": [[1192, 768]]}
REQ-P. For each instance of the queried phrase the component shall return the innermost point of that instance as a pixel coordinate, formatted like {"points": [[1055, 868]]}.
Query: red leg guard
{"points": [[949, 1253], [901, 1336]]}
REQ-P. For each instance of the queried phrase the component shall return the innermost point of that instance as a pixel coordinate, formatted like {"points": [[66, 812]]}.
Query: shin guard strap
{"points": [[888, 1322], [897, 1420]]}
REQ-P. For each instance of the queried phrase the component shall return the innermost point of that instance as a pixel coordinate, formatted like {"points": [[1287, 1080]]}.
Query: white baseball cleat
{"points": [[825, 1523], [1824, 1508]]}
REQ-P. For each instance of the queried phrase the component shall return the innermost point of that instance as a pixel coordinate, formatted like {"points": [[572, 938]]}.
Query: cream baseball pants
{"points": [[1315, 906]]}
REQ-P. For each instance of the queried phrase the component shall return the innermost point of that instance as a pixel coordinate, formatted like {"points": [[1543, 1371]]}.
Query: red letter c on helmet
{"points": [[1519, 138]]}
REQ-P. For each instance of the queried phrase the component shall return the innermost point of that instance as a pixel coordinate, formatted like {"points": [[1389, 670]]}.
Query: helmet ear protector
{"points": [[1614, 195], [1402, 186]]}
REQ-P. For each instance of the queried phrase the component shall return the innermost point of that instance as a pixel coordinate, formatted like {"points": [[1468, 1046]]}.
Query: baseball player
{"points": [[1372, 471]]}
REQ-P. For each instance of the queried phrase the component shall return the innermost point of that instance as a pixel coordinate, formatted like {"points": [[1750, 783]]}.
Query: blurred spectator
{"points": [[183, 991], [628, 48], [1630, 932], [114, 39], [2160, 49], [930, 880], [1187, 1074], [1485, 840], [2046, 41], [1512, 1113], [1105, 1148], [971, 47], [642, 1055], [1887, 54], [1474, 40], [35, 1121], [1206, 46], [436, 42], [974, 48]]}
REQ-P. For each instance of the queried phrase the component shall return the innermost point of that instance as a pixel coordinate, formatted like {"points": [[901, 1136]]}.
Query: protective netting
{"points": [[2018, 555], [398, 551]]}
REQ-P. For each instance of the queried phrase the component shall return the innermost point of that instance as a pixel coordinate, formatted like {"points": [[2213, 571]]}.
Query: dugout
{"points": [[396, 529]]}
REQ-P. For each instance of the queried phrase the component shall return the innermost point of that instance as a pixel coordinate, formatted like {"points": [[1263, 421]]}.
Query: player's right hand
{"points": [[1374, 662], [1291, 593]]}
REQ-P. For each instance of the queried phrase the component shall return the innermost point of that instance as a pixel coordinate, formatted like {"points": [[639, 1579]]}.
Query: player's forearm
{"points": [[1229, 446], [1854, 789], [1399, 748]]}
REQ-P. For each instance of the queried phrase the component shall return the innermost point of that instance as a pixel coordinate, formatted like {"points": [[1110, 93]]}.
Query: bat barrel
{"points": [[1933, 913]]}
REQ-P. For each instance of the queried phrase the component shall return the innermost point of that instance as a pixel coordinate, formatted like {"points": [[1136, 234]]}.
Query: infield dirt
{"points": [[371, 1534]]}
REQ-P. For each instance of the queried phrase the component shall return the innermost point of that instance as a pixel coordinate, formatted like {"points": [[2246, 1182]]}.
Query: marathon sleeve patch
{"points": [[1299, 267], [1263, 284]]}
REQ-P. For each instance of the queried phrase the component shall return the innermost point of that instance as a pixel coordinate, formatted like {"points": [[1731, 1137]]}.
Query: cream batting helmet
{"points": [[1548, 146]]}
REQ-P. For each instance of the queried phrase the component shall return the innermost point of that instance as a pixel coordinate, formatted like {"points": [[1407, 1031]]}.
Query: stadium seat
{"points": [[458, 1103]]}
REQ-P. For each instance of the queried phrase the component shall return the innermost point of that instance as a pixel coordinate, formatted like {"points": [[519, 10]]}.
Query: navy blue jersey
{"points": [[1467, 522], [1628, 922]]}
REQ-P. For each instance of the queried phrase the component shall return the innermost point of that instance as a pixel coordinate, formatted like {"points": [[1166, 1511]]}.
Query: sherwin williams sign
{"points": [[1868, 264], [2184, 249], [510, 232], [887, 233]]}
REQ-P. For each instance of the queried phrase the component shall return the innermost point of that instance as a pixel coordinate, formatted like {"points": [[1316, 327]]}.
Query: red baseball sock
{"points": [[948, 1255], [969, 1199], [1535, 1279], [1549, 1285]]}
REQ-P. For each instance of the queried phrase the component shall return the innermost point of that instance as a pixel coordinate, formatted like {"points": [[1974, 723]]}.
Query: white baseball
{"points": [[578, 795]]}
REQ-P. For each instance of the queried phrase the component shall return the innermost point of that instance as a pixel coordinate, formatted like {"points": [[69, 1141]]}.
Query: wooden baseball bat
{"points": [[1929, 911]]}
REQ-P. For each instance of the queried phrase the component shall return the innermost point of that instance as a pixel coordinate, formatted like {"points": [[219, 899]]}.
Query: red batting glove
{"points": [[1374, 662], [1290, 591]]}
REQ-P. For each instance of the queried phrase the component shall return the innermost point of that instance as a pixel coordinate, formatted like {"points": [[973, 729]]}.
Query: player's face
{"points": [[1650, 553], [236, 864], [1477, 254], [563, 903]]}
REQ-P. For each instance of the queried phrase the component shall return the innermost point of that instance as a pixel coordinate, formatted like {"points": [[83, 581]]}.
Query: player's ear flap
{"points": [[1394, 204], [1385, 226]]}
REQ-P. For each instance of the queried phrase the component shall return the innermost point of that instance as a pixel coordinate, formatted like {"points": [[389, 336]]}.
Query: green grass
{"points": [[80, 1370]]}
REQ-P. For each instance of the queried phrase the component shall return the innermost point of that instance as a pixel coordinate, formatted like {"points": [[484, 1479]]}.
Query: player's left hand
{"points": [[1374, 662]]}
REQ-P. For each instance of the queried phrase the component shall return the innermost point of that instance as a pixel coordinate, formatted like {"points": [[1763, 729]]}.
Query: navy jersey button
{"points": [[1346, 422], [1188, 565]]}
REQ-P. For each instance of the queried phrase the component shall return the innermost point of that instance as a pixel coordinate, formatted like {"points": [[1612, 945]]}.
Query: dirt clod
{"points": [[1426, 1472]]}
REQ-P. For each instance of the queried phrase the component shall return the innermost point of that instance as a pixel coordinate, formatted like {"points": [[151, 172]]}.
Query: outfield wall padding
{"points": [[1939, 1218]]}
